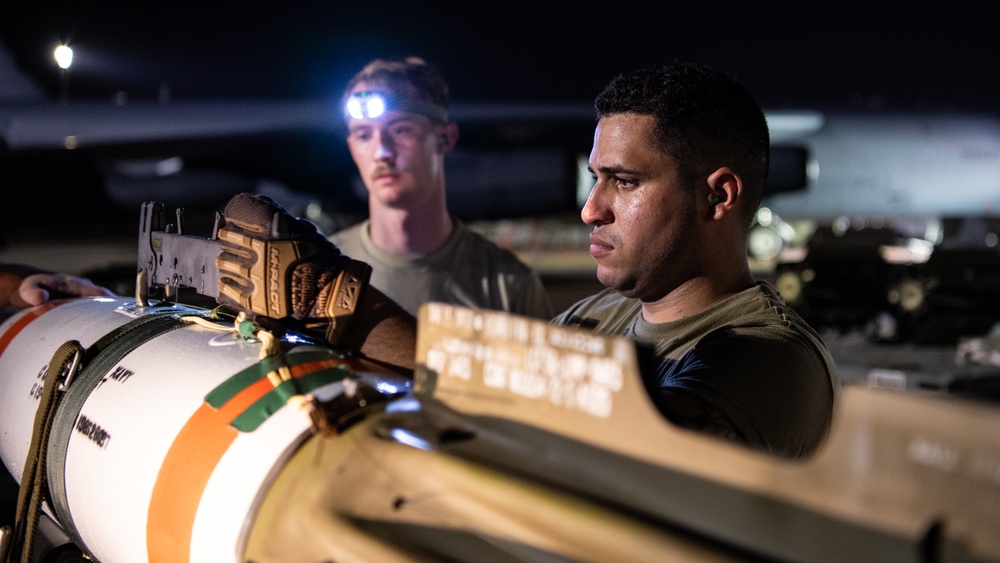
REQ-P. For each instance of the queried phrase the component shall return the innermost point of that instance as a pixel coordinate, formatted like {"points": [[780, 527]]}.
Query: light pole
{"points": [[64, 58]]}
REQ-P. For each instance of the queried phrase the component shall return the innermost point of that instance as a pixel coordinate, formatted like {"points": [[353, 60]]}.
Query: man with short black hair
{"points": [[679, 160]]}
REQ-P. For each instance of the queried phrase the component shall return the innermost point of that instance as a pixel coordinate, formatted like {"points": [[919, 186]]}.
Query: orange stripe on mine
{"points": [[190, 462], [182, 479], [18, 326]]}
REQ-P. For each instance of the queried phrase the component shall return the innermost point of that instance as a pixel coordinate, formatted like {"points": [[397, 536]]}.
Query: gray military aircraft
{"points": [[873, 170], [885, 216]]}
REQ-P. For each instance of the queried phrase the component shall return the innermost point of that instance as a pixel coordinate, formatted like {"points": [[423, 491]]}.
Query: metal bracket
{"points": [[169, 260]]}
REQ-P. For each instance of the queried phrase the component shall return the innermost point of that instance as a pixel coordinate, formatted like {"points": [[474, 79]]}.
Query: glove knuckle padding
{"points": [[268, 277]]}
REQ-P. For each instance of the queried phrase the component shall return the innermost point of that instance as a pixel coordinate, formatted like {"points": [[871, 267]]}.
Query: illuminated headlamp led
{"points": [[368, 104], [365, 104]]}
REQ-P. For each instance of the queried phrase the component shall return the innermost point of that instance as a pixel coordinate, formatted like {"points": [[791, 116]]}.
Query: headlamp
{"points": [[370, 104]]}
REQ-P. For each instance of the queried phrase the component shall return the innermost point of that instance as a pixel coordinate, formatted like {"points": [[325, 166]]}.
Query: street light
{"points": [[64, 58]]}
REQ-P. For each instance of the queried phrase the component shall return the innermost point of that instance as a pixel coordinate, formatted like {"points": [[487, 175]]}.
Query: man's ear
{"points": [[447, 137], [725, 187]]}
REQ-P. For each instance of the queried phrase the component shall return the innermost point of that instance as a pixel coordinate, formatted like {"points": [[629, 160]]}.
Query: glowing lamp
{"points": [[63, 56], [369, 104]]}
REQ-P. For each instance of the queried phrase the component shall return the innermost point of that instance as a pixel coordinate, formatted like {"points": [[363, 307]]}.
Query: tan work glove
{"points": [[275, 265]]}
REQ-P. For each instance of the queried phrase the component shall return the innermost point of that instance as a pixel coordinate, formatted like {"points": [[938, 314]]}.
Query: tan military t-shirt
{"points": [[468, 270]]}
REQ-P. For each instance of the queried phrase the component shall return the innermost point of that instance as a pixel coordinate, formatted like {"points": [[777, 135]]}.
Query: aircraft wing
{"points": [[89, 124]]}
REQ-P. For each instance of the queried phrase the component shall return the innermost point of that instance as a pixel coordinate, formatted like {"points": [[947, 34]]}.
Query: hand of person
{"points": [[275, 265], [41, 287], [25, 286]]}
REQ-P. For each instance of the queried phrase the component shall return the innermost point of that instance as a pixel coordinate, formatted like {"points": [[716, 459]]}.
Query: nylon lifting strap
{"points": [[43, 478], [100, 358], [31, 493], [39, 481]]}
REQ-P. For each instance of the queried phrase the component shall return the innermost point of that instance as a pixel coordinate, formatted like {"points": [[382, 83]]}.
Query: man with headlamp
{"points": [[398, 134]]}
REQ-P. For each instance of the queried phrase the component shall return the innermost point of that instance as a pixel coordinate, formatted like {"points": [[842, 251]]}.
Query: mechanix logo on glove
{"points": [[260, 286], [274, 272]]}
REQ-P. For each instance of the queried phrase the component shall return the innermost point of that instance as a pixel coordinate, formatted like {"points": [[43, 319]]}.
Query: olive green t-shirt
{"points": [[467, 270], [750, 356]]}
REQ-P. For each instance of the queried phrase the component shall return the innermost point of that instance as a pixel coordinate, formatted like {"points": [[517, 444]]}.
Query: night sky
{"points": [[908, 55], [929, 57]]}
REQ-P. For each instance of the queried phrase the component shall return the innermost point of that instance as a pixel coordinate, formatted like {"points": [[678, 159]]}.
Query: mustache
{"points": [[604, 237], [380, 170]]}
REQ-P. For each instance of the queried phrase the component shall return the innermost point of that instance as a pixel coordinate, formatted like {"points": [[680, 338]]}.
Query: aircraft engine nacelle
{"points": [[163, 441]]}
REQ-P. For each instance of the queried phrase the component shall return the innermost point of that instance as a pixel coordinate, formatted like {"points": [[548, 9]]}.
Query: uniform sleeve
{"points": [[776, 393]]}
